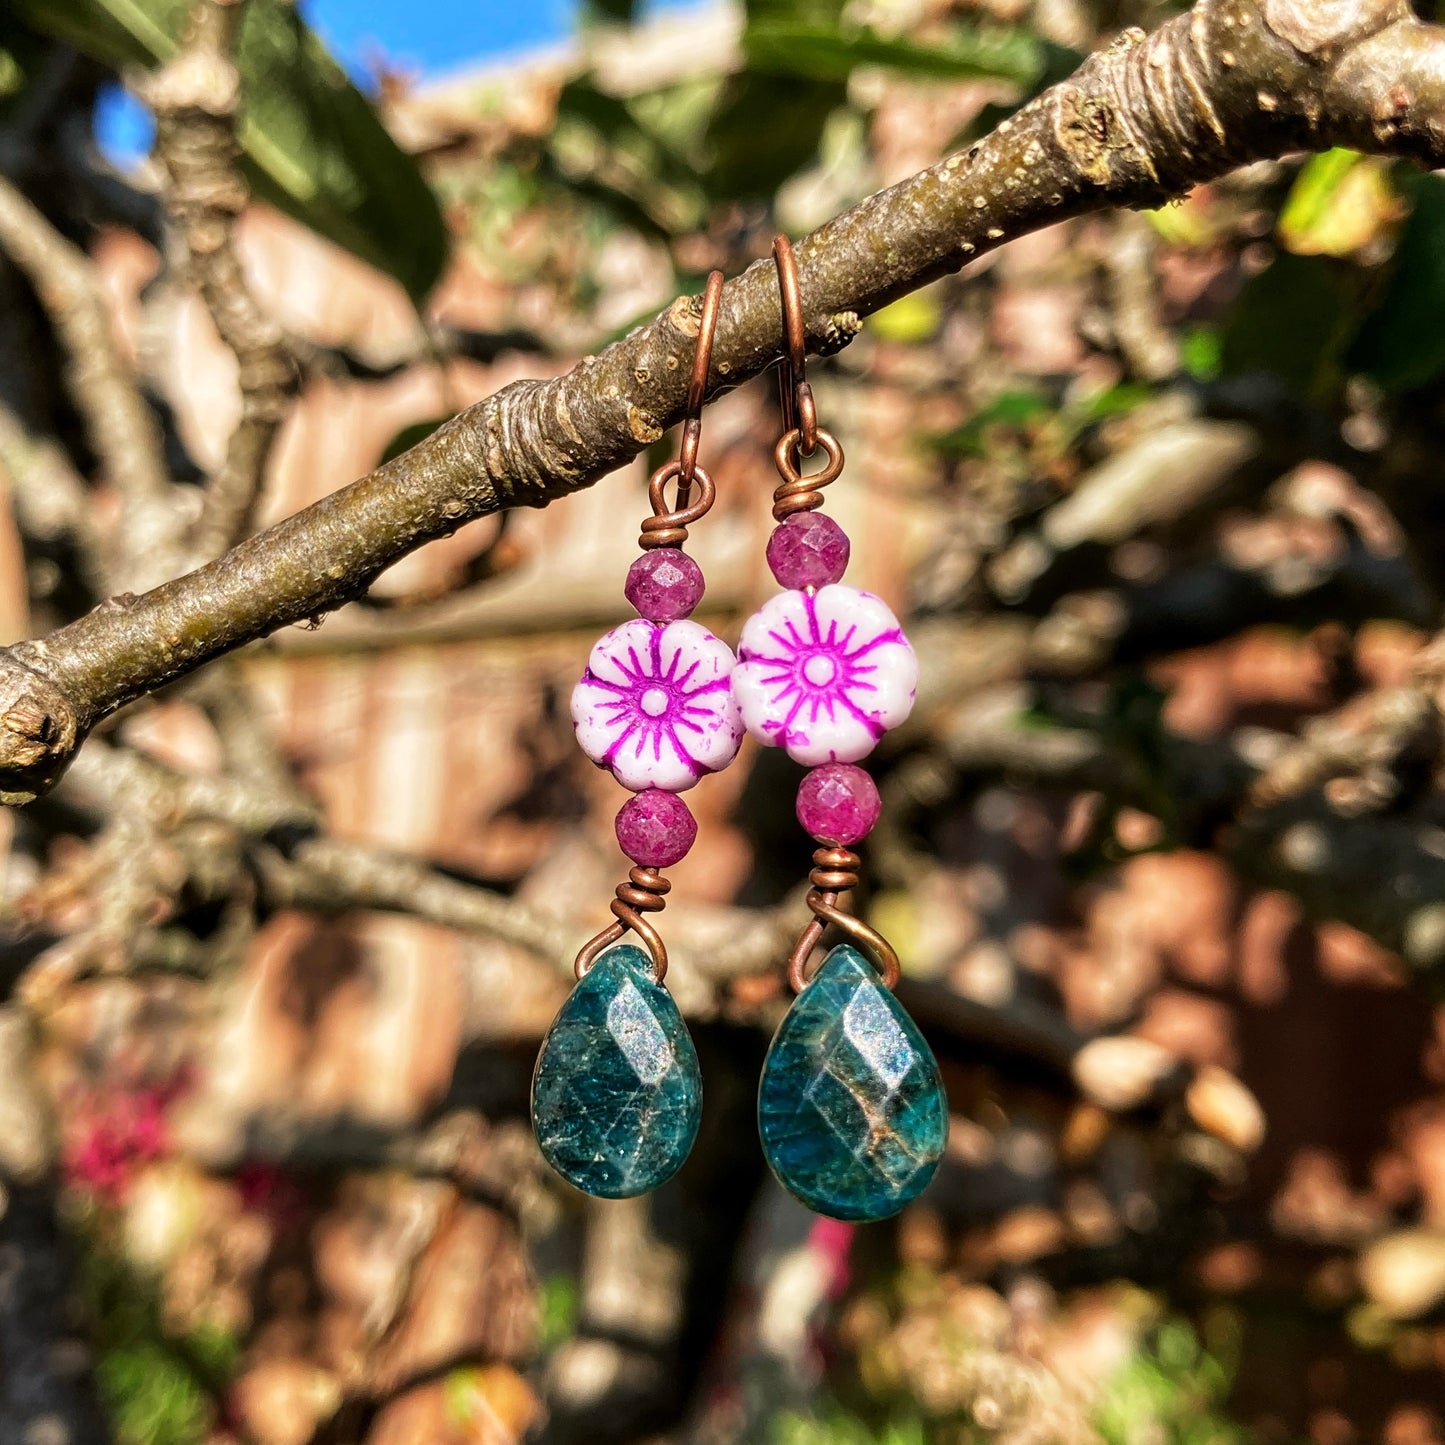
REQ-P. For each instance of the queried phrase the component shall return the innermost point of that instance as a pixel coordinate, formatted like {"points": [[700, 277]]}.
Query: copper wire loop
{"points": [[796, 396], [669, 528], [697, 385], [835, 871], [799, 493], [642, 893]]}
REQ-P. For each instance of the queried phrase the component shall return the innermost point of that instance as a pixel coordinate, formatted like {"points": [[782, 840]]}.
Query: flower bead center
{"points": [[654, 701], [820, 670]]}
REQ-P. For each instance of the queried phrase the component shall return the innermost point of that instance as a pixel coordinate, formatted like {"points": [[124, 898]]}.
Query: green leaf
{"points": [[1117, 400], [1293, 319], [601, 147], [911, 320], [1201, 349], [313, 146], [1012, 411], [1401, 344], [749, 160], [616, 12], [784, 47], [1340, 202], [410, 436]]}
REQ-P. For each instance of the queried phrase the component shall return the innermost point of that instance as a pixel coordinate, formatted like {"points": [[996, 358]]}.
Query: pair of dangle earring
{"points": [[851, 1110]]}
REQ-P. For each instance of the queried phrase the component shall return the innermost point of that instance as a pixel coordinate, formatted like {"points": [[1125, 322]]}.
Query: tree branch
{"points": [[196, 98], [121, 427], [1229, 82]]}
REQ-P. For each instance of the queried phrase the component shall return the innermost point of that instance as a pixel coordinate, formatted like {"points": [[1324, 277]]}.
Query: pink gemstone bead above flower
{"points": [[654, 705], [664, 584], [656, 829], [824, 675], [808, 550]]}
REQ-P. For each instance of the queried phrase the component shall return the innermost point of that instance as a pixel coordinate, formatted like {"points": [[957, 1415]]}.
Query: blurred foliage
{"points": [[780, 45], [1340, 202], [314, 145], [559, 1305], [839, 1428], [1172, 1391], [157, 1387], [1401, 343]]}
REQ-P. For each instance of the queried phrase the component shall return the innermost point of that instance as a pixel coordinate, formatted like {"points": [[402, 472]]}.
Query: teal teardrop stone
{"points": [[851, 1107], [617, 1093]]}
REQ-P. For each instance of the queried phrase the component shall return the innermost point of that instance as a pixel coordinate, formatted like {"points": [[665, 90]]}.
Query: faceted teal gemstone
{"points": [[851, 1107], [617, 1095]]}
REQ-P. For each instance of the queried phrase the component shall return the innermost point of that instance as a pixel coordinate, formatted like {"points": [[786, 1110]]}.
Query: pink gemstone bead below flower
{"points": [[808, 549], [824, 674], [838, 804], [655, 829], [664, 584], [655, 707]]}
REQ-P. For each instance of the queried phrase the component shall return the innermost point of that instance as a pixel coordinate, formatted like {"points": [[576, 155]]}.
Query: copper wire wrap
{"points": [[800, 412], [835, 871], [799, 493], [642, 893], [667, 527]]}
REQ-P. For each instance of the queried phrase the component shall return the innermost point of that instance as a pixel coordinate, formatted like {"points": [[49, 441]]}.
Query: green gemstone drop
{"points": [[851, 1107], [617, 1094]]}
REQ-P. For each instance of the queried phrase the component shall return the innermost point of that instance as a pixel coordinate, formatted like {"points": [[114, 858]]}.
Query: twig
{"points": [[196, 98], [51, 500], [1147, 343], [332, 876], [120, 424], [1228, 82], [108, 777]]}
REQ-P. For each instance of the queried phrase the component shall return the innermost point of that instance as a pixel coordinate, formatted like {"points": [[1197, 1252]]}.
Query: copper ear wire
{"points": [[697, 385], [802, 435], [800, 412], [645, 889]]}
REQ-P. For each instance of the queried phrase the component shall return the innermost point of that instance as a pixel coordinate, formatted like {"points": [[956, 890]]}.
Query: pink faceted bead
{"points": [[664, 584], [809, 549], [838, 804], [655, 829]]}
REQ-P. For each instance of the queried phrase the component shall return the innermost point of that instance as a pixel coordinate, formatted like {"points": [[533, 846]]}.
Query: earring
{"points": [[617, 1094], [851, 1108]]}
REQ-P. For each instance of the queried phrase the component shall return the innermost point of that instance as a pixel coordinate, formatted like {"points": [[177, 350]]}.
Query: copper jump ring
{"points": [[835, 871], [794, 393], [697, 385], [642, 893]]}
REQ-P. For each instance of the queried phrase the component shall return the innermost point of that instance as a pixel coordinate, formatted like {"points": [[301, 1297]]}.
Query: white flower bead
{"points": [[824, 675], [655, 706]]}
